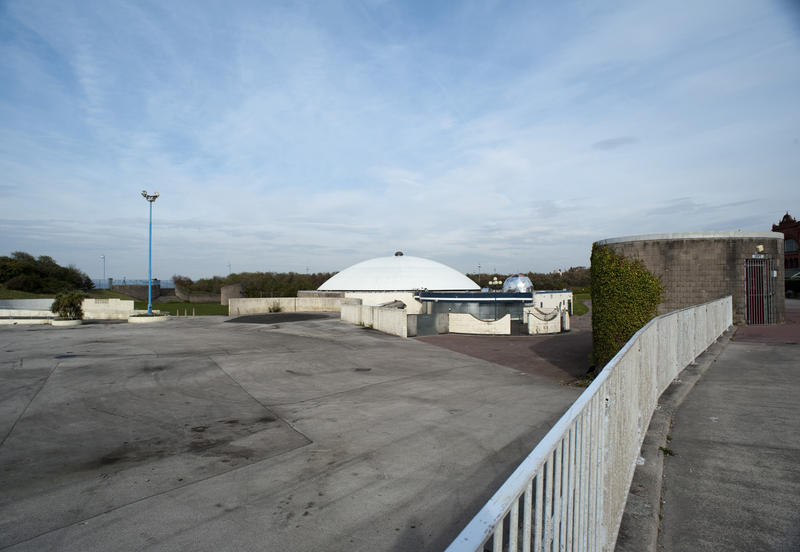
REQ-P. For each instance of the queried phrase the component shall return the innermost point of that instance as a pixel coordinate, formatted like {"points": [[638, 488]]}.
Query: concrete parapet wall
{"points": [[467, 324], [107, 309], [242, 306]]}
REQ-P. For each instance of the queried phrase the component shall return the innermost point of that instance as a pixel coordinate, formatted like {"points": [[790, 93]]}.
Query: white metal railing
{"points": [[570, 492]]}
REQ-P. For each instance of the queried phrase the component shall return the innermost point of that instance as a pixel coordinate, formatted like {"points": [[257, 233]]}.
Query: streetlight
{"points": [[104, 268], [150, 199], [495, 282]]}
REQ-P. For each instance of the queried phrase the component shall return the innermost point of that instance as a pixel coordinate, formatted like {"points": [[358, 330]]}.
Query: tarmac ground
{"points": [[564, 357], [199, 434]]}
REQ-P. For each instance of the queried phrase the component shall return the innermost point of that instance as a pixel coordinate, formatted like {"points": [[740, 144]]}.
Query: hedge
{"points": [[625, 297]]}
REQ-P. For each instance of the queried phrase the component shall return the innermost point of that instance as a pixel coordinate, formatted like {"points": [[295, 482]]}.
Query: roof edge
{"points": [[732, 234]]}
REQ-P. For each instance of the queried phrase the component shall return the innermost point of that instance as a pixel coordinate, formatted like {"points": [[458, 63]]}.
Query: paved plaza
{"points": [[202, 434]]}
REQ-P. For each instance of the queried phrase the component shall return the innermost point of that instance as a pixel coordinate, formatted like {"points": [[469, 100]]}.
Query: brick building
{"points": [[698, 267], [790, 229]]}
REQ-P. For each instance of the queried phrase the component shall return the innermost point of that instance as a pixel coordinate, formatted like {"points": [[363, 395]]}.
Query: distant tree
{"points": [[575, 277], [22, 271]]}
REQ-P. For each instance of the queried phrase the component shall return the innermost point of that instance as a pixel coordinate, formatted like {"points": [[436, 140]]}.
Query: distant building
{"points": [[387, 279], [790, 229]]}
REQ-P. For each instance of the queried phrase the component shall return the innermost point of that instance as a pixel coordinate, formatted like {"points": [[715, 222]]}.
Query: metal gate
{"points": [[759, 286]]}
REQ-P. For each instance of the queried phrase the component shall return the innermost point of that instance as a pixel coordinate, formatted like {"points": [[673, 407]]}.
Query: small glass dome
{"points": [[518, 283]]}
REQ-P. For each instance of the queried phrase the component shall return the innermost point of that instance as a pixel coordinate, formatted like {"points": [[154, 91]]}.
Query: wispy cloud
{"points": [[282, 136]]}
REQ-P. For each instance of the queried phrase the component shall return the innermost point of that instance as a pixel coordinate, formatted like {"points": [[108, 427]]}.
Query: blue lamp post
{"points": [[150, 199]]}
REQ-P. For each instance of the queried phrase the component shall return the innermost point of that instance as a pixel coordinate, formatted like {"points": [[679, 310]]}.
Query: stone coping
{"points": [[733, 234]]}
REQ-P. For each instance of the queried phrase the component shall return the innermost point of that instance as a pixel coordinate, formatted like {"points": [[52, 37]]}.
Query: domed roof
{"points": [[399, 273], [518, 283]]}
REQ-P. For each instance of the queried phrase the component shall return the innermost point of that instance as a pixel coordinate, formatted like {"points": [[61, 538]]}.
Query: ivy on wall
{"points": [[625, 297]]}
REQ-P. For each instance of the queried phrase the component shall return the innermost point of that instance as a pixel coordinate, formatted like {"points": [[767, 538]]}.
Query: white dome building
{"points": [[386, 279]]}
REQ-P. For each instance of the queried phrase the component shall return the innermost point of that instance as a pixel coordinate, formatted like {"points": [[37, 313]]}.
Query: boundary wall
{"points": [[384, 319], [240, 306], [93, 309], [464, 323], [570, 492]]}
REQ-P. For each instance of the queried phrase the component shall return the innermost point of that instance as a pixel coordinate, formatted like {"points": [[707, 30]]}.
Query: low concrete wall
{"points": [[375, 298], [107, 309], [467, 324], [233, 291], [428, 324], [26, 304], [546, 325], [384, 319], [239, 307], [26, 313], [93, 309]]}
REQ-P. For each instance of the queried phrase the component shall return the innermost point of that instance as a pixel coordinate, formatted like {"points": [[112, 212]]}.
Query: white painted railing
{"points": [[570, 492]]}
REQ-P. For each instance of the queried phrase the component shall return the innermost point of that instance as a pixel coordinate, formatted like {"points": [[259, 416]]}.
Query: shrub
{"points": [[69, 305], [625, 297]]}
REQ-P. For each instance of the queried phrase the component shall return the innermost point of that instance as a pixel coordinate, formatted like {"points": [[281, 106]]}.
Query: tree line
{"points": [[287, 284], [574, 278], [23, 272], [256, 284]]}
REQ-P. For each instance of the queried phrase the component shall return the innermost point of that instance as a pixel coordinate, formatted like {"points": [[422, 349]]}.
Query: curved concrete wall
{"points": [[703, 266]]}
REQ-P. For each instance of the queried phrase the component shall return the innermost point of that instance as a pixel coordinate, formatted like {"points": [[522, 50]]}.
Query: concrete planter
{"points": [[62, 323], [147, 319]]}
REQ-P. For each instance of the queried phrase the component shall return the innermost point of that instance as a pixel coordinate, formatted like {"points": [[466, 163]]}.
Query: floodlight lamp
{"points": [[760, 248]]}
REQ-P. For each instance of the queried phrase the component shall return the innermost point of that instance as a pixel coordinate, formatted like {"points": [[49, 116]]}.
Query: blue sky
{"points": [[293, 135]]}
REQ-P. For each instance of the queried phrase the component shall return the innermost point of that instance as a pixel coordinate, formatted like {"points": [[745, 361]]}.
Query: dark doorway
{"points": [[759, 285]]}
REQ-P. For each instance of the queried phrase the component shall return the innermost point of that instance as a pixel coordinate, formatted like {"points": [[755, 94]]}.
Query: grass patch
{"points": [[667, 451], [579, 308], [14, 294], [179, 309], [108, 294]]}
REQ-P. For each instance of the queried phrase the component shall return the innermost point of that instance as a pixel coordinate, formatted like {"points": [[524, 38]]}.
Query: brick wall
{"points": [[696, 269]]}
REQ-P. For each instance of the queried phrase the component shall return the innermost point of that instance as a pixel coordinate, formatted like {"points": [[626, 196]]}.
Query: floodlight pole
{"points": [[104, 267], [150, 199]]}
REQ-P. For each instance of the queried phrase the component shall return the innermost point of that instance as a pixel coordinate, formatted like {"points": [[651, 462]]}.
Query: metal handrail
{"points": [[570, 492]]}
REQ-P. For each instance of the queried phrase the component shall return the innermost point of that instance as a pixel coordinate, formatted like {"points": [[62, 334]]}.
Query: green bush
{"points": [[625, 297], [23, 272], [69, 305]]}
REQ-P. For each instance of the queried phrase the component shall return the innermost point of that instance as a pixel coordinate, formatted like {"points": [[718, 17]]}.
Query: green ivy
{"points": [[625, 297]]}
